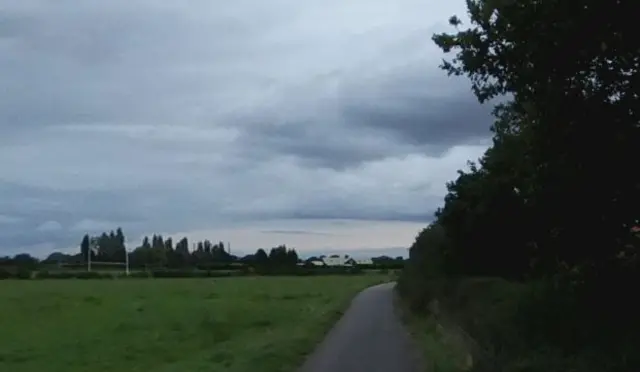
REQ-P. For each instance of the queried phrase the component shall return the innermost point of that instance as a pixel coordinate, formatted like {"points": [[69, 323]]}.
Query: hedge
{"points": [[23, 273]]}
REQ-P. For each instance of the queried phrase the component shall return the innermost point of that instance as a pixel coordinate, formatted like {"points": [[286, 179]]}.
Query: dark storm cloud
{"points": [[417, 108], [317, 144], [397, 113], [421, 121]]}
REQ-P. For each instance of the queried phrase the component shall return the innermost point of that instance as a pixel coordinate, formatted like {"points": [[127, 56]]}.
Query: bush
{"points": [[44, 274], [221, 266], [193, 273], [187, 273], [92, 275], [5, 274], [425, 275], [140, 274], [24, 273], [306, 270], [176, 273]]}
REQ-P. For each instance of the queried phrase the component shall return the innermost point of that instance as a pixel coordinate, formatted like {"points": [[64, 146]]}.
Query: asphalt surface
{"points": [[369, 337]]}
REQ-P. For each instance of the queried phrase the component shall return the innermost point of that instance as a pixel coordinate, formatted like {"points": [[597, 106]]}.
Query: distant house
{"points": [[336, 260], [313, 261], [364, 261]]}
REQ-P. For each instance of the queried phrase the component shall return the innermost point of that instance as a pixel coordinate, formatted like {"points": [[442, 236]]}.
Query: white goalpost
{"points": [[93, 248]]}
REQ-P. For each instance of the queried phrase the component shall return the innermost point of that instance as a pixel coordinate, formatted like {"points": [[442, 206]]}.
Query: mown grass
{"points": [[231, 324]]}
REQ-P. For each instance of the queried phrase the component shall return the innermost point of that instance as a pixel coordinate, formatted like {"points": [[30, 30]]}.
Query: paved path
{"points": [[369, 337]]}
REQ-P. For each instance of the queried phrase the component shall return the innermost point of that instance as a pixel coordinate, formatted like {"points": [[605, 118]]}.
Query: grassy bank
{"points": [[441, 350], [230, 324], [496, 325]]}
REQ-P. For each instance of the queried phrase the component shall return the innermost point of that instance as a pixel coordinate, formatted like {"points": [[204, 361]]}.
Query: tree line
{"points": [[556, 197], [155, 251], [158, 252]]}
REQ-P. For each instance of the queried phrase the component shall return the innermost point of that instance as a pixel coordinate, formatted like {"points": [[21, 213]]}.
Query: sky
{"points": [[325, 125]]}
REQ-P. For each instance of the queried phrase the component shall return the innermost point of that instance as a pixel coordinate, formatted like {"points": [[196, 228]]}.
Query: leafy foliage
{"points": [[556, 195], [564, 146]]}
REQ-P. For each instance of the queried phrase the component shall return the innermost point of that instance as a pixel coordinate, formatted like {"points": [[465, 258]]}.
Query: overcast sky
{"points": [[320, 124]]}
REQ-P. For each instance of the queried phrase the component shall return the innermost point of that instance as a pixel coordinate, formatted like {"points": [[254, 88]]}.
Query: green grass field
{"points": [[230, 324]]}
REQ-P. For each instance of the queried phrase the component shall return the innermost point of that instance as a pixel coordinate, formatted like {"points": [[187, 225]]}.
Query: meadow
{"points": [[223, 324]]}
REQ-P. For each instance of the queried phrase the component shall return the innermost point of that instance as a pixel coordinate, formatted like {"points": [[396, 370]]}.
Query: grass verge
{"points": [[165, 325], [442, 351], [512, 327]]}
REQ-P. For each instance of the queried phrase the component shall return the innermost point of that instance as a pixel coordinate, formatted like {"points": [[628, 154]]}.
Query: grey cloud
{"points": [[4, 219], [96, 62], [419, 109], [419, 120], [48, 216], [338, 213], [28, 202], [49, 226], [280, 114], [319, 144], [18, 241], [373, 119], [297, 232]]}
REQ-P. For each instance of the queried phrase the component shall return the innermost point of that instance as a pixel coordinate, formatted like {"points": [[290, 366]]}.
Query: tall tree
{"points": [[103, 245], [158, 252], [85, 247], [168, 244], [571, 106], [207, 256], [261, 257], [145, 243], [120, 247], [219, 254], [157, 242], [182, 251], [292, 257]]}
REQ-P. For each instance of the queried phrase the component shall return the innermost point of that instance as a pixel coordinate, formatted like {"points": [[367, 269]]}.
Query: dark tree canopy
{"points": [[565, 142], [556, 196]]}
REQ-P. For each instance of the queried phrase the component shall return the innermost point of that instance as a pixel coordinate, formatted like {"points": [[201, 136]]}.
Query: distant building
{"points": [[336, 261], [363, 261]]}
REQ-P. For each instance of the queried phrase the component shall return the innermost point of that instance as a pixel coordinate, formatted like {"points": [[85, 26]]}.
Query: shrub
{"points": [[92, 275], [5, 274], [24, 273], [159, 273], [140, 274], [44, 274]]}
